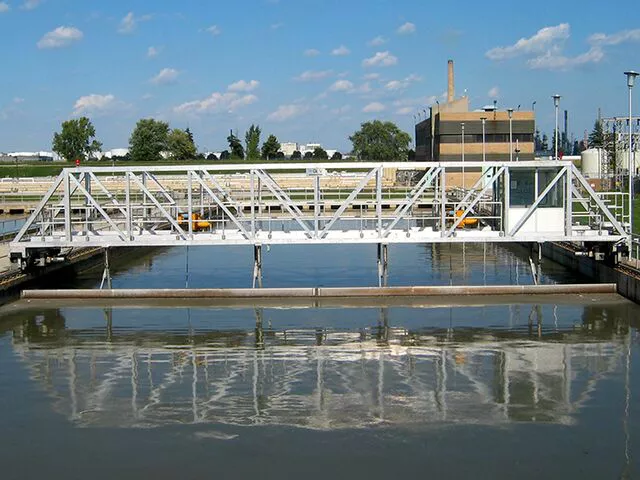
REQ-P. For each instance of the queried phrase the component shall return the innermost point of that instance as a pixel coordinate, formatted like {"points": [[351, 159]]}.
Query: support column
{"points": [[383, 265], [106, 273], [535, 262], [257, 266]]}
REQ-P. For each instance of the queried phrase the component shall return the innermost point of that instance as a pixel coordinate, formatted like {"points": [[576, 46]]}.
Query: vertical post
{"points": [[67, 206], [257, 266], [484, 146], [510, 111], [87, 203], [507, 200], [144, 202], [443, 200], [383, 264], [107, 268], [631, 77], [202, 196], [316, 205], [568, 192], [252, 187], [379, 200], [127, 201], [190, 203]]}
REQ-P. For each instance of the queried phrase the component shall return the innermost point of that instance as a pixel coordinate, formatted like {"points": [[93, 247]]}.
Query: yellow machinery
{"points": [[467, 222], [197, 223]]}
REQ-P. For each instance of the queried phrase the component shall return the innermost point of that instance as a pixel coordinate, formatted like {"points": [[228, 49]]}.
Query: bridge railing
{"points": [[329, 203]]}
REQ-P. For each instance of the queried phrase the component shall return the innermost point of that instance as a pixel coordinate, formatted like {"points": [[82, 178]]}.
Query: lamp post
{"points": [[631, 78], [462, 126], [484, 148], [510, 134], [556, 103]]}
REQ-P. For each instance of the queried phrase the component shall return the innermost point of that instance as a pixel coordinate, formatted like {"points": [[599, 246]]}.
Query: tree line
{"points": [[154, 140]]}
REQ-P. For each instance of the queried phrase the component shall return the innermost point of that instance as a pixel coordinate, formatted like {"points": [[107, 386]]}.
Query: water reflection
{"points": [[118, 375]]}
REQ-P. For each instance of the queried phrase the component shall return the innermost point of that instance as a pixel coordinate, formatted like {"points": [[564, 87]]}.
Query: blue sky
{"points": [[305, 70]]}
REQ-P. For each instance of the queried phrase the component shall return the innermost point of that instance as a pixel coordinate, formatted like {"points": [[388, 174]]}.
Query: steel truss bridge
{"points": [[330, 203]]}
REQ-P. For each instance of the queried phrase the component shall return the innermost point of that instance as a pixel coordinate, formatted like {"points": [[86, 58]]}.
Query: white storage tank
{"points": [[592, 160]]}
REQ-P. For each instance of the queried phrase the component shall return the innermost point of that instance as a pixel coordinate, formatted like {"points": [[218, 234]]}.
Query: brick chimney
{"points": [[451, 91]]}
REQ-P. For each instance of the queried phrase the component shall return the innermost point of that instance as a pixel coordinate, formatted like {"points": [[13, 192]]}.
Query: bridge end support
{"points": [[383, 264], [257, 266]]}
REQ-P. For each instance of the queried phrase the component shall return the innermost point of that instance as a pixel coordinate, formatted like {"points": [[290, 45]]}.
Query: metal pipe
{"points": [[556, 102]]}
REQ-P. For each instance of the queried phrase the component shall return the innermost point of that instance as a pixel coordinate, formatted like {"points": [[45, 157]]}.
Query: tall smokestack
{"points": [[451, 91]]}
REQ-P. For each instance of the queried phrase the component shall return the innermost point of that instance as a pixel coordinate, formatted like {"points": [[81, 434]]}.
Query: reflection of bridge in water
{"points": [[319, 379]]}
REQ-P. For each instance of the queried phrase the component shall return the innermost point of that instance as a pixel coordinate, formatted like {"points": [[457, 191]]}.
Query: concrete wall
{"points": [[628, 286]]}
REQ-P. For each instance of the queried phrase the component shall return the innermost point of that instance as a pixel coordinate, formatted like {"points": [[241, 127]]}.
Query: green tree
{"points": [[270, 148], [596, 137], [380, 141], [280, 156], [237, 150], [252, 141], [180, 145], [76, 140], [308, 155], [336, 156], [225, 155], [296, 155], [544, 146], [212, 157], [190, 134], [148, 140], [320, 153]]}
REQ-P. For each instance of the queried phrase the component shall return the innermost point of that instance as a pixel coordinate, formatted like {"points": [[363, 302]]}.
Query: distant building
{"points": [[288, 148], [29, 157], [439, 138]]}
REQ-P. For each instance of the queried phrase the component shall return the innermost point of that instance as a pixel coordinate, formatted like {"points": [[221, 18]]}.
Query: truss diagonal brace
{"points": [[222, 191], [402, 210], [154, 200], [284, 200], [347, 202], [97, 206], [618, 226], [476, 200], [221, 205], [25, 228]]}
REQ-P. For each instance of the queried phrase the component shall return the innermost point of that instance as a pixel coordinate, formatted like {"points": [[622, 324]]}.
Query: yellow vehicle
{"points": [[197, 223]]}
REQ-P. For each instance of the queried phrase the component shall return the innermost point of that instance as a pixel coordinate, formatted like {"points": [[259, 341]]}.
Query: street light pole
{"points": [[556, 103], [463, 184], [484, 148], [631, 78], [510, 134]]}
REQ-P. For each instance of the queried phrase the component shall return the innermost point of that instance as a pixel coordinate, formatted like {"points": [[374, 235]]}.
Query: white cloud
{"points": [[60, 37], [374, 107], [18, 100], [4, 7], [493, 92], [214, 30], [405, 111], [407, 28], [372, 76], [94, 103], [362, 89], [216, 103], [553, 61], [394, 85], [544, 40], [601, 39], [311, 75], [376, 42], [153, 52], [287, 112], [127, 24], [165, 76], [243, 86], [380, 59], [277, 26], [341, 51], [341, 110], [341, 86], [311, 52], [30, 4]]}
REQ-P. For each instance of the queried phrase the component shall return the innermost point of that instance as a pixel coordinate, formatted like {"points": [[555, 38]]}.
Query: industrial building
{"points": [[453, 133]]}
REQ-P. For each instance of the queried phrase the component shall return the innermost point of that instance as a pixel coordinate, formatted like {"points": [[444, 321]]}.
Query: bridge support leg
{"points": [[383, 265], [106, 273], [536, 266], [257, 266]]}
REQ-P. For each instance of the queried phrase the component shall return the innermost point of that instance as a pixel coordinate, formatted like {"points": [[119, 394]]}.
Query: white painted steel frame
{"points": [[141, 210]]}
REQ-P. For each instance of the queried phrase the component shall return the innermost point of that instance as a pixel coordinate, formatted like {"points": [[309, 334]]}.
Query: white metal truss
{"points": [[313, 204]]}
